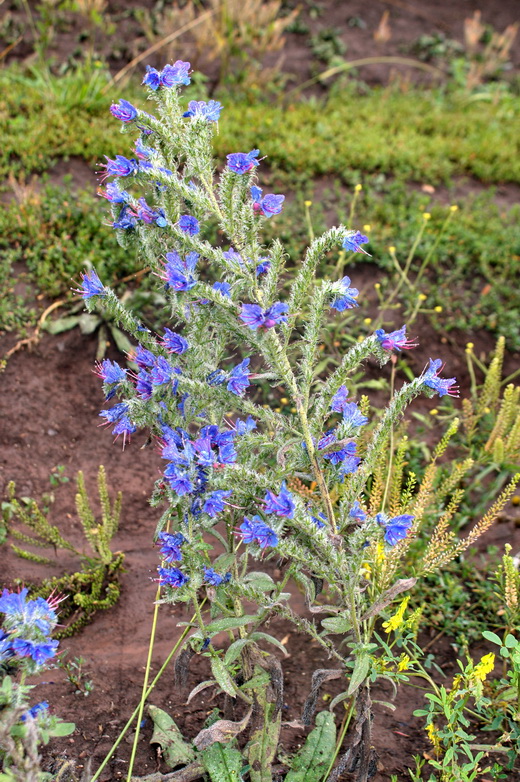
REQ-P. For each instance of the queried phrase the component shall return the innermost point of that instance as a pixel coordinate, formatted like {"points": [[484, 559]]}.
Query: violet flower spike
{"points": [[443, 386], [352, 243], [395, 340]]}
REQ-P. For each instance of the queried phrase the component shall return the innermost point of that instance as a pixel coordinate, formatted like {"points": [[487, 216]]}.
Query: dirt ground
{"points": [[49, 407]]}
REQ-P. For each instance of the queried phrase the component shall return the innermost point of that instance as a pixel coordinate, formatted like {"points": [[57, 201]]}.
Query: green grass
{"points": [[426, 136]]}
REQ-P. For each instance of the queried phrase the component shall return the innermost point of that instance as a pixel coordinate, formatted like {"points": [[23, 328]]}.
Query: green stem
{"points": [[145, 684], [136, 710], [391, 440], [341, 737]]}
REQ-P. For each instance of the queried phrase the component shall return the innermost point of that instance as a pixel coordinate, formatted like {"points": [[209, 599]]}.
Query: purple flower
{"points": [[394, 340], [161, 372], [347, 296], [319, 520], [39, 651], [352, 415], [91, 285], [327, 439], [172, 576], [349, 465], [356, 512], [442, 386], [241, 162], [256, 318], [113, 414], [143, 357], [6, 651], [209, 111], [19, 611], [143, 384], [173, 342], [171, 546], [178, 73], [113, 194], [216, 378], [142, 151], [149, 215], [213, 578], [352, 243], [256, 531], [152, 78], [112, 374], [35, 710], [179, 481], [121, 166], [222, 287], [215, 502], [269, 205], [281, 504], [124, 111], [178, 272], [188, 224], [336, 457], [395, 528], [125, 427], [238, 378]]}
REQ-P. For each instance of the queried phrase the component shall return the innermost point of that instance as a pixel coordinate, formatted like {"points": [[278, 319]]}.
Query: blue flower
{"points": [[319, 520], [142, 151], [241, 162], [149, 215], [281, 504], [222, 287], [269, 205], [346, 451], [112, 374], [126, 219], [238, 380], [171, 546], [174, 342], [125, 427], [256, 318], [347, 296], [178, 272], [113, 194], [209, 111], [349, 465], [233, 258], [339, 400], [33, 712], [114, 413], [352, 415], [256, 531], [172, 577], [170, 76], [442, 386], [356, 512], [143, 384], [352, 243], [263, 267], [395, 528], [124, 111], [39, 651], [188, 224], [19, 611], [161, 372], [243, 427], [121, 166], [6, 651], [215, 502], [327, 439], [143, 357], [178, 480], [394, 340], [213, 578], [216, 378], [91, 285]]}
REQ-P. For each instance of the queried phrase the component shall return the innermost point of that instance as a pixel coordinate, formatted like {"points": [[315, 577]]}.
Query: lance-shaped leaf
{"points": [[222, 762], [219, 671], [314, 758], [221, 731], [176, 751], [401, 585], [360, 672]]}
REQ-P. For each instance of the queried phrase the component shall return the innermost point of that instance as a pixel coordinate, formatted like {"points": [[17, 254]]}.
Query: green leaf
{"points": [[62, 729], [61, 324], [88, 323], [269, 639], [235, 649], [261, 581], [219, 671], [341, 697], [315, 756], [336, 624], [510, 641], [122, 342], [493, 637], [176, 751], [229, 623], [222, 762], [259, 680], [199, 688], [360, 672]]}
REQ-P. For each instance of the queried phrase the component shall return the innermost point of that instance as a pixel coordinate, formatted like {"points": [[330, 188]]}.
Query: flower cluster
{"points": [[26, 630]]}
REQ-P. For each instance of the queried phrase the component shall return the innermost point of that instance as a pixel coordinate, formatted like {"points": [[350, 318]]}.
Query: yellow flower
{"points": [[367, 228], [358, 188], [434, 411], [484, 667], [431, 730], [367, 321], [396, 620], [438, 308], [453, 208], [404, 663], [426, 216], [308, 203], [366, 570], [380, 552]]}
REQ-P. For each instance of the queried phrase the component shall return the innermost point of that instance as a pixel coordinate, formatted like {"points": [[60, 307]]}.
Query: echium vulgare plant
{"points": [[261, 485]]}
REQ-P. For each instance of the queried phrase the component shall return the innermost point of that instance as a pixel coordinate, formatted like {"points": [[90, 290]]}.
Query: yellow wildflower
{"points": [[396, 620], [484, 667], [404, 663]]}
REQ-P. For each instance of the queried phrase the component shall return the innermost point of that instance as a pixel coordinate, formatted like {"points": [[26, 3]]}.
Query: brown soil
{"points": [[50, 403]]}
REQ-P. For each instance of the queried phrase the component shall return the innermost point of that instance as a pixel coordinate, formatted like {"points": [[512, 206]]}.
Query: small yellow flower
{"points": [[470, 346], [360, 338], [308, 203], [284, 400], [484, 667], [293, 409], [404, 663], [396, 620], [431, 730], [422, 297], [515, 500], [454, 208], [377, 285], [358, 188], [380, 553], [426, 216], [434, 411], [367, 321], [438, 308], [366, 570], [391, 249], [367, 228]]}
